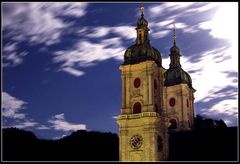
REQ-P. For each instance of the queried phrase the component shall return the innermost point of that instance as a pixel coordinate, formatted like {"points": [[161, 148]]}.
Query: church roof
{"points": [[177, 75], [142, 52], [142, 49]]}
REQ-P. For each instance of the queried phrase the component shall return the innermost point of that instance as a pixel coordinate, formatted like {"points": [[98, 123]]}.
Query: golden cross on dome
{"points": [[142, 9], [174, 35]]}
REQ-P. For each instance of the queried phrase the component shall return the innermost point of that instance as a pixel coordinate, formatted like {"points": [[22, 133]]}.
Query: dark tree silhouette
{"points": [[203, 144], [20, 145], [201, 123], [220, 124]]}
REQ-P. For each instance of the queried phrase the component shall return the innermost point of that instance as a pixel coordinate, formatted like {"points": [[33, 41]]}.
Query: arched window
{"points": [[173, 124], [137, 108], [140, 37]]}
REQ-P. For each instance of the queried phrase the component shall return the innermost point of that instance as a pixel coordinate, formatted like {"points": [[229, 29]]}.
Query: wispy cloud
{"points": [[123, 31], [11, 57], [86, 54], [35, 23], [42, 127], [126, 32], [74, 9], [208, 67], [180, 13], [25, 124], [20, 19], [59, 123], [73, 71], [12, 106], [11, 109], [99, 32]]}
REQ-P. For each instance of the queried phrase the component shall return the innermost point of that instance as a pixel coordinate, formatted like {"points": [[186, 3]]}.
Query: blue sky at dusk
{"points": [[60, 61]]}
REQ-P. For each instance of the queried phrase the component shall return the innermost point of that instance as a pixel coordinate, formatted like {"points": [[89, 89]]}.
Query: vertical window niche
{"points": [[156, 108], [155, 84], [137, 108], [160, 143], [187, 103]]}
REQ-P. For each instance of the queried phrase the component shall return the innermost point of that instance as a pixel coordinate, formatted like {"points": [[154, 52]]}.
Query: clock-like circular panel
{"points": [[136, 141], [137, 83], [172, 102]]}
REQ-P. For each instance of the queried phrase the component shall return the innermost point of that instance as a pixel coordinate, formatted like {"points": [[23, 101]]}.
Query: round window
{"points": [[137, 82], [172, 102]]}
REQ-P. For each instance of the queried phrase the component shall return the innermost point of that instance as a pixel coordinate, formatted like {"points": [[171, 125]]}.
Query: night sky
{"points": [[60, 61]]}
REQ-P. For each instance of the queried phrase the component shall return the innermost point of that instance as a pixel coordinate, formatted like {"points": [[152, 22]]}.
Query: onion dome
{"points": [[142, 52], [142, 49], [174, 49], [175, 74]]}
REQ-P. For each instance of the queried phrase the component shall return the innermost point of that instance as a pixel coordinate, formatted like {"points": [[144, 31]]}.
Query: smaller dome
{"points": [[174, 49], [177, 75], [142, 22]]}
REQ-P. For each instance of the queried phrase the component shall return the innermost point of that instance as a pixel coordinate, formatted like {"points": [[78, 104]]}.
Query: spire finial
{"points": [[174, 35], [142, 9]]}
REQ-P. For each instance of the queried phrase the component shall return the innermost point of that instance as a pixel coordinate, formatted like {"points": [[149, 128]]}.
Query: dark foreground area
{"points": [[213, 144]]}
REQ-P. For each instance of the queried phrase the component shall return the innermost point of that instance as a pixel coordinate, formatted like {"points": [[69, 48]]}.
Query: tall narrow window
{"points": [[160, 143], [155, 84], [156, 108], [140, 38]]}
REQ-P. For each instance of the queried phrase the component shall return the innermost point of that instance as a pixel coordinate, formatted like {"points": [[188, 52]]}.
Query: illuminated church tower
{"points": [[152, 100], [143, 132], [178, 93]]}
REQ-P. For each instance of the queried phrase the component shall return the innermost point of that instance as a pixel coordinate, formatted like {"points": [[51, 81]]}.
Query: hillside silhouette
{"points": [[209, 141], [21, 145]]}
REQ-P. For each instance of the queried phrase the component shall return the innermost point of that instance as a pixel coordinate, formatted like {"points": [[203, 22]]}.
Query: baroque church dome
{"points": [[139, 53], [175, 74], [142, 50]]}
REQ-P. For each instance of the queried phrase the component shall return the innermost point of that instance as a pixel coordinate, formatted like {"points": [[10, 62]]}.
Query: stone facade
{"points": [[149, 123], [154, 100]]}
